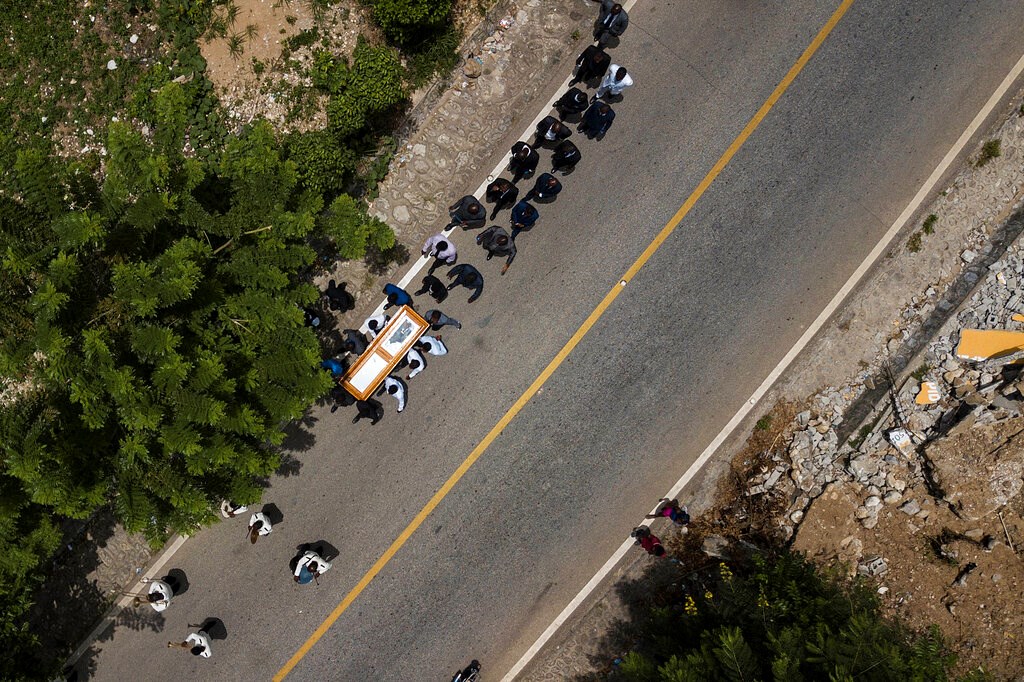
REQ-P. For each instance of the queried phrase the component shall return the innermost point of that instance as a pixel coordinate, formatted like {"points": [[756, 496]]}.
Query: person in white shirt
{"points": [[230, 510], [310, 567], [197, 643], [159, 595], [395, 388], [375, 324], [442, 249], [259, 525], [614, 82], [432, 344], [416, 362]]}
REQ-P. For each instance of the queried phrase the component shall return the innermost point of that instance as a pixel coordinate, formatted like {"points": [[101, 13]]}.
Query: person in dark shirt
{"points": [[546, 188], [565, 158], [524, 217], [434, 287], [467, 276], [550, 129], [573, 103], [592, 63], [612, 22], [523, 162], [467, 213], [597, 120], [496, 242], [354, 342], [368, 409], [438, 320], [503, 194], [338, 299]]}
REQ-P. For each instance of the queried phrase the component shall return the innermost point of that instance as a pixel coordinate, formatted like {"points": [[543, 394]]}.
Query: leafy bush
{"points": [[780, 619], [403, 21], [324, 165], [438, 55], [374, 86], [329, 72]]}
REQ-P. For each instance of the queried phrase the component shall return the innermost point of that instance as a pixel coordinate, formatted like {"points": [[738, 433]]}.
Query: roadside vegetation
{"points": [[155, 257]]}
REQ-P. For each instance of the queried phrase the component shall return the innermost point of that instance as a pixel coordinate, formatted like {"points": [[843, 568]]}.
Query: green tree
{"points": [[373, 87], [780, 619], [403, 21], [166, 346]]}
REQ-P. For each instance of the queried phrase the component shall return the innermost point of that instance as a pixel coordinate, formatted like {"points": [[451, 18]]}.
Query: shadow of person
{"points": [[325, 549], [214, 627], [178, 581], [272, 512]]}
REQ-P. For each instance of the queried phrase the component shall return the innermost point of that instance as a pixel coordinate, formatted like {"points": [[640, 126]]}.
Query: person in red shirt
{"points": [[650, 542]]}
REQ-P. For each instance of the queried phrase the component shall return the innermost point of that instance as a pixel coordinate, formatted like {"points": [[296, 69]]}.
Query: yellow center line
{"points": [[571, 344]]}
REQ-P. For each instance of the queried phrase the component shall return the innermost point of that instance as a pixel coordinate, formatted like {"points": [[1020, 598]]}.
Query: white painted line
{"points": [[801, 343]]}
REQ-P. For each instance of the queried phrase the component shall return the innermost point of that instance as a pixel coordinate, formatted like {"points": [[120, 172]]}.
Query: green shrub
{"points": [[440, 54], [374, 86], [405, 21], [329, 72], [352, 231], [324, 165]]}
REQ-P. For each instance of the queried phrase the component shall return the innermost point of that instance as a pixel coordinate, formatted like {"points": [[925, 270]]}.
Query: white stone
{"points": [[112, 65], [134, 39]]}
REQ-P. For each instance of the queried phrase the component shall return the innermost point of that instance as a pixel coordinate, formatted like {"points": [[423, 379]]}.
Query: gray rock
{"points": [[892, 497], [797, 516], [873, 566], [968, 256], [715, 546], [910, 507], [803, 418], [873, 502], [862, 467], [870, 522], [975, 534], [895, 483], [862, 513]]}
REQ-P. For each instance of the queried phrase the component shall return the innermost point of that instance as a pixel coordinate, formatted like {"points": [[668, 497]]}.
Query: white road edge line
{"points": [[414, 270], [801, 343]]}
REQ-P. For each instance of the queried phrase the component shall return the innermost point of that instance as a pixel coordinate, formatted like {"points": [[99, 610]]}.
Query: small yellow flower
{"points": [[762, 601], [708, 595], [724, 571], [690, 607]]}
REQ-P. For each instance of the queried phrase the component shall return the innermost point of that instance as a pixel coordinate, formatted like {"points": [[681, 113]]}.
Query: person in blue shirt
{"points": [[336, 368], [524, 217], [597, 120], [397, 296]]}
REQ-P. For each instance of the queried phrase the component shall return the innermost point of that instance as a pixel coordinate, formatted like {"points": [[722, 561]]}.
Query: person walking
{"points": [[375, 324], [368, 409], [550, 129], [338, 299], [524, 217], [573, 103], [230, 510], [416, 363], [158, 595], [435, 287], [497, 242], [671, 509], [545, 189], [614, 82], [502, 194], [597, 120], [565, 158], [197, 644], [592, 63], [437, 320], [259, 526], [523, 162], [341, 397], [441, 249], [353, 342], [396, 296], [397, 390], [336, 367], [651, 543], [467, 276], [612, 22], [432, 344], [467, 213], [310, 567]]}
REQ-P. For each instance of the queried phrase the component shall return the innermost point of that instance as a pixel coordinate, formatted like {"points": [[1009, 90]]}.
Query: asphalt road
{"points": [[671, 360]]}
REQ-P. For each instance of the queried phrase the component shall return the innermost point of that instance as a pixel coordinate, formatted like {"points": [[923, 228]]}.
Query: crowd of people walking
{"points": [[593, 116]]}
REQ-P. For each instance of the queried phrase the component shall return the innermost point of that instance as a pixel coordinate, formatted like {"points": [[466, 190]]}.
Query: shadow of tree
{"points": [[85, 578], [380, 262], [298, 434]]}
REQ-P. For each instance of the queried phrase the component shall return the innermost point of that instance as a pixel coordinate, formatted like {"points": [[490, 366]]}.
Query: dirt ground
{"points": [[981, 614]]}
